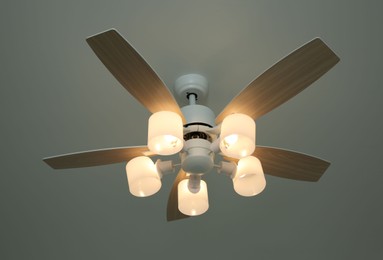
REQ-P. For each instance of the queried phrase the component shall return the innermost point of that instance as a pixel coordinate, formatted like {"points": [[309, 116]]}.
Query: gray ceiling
{"points": [[56, 97]]}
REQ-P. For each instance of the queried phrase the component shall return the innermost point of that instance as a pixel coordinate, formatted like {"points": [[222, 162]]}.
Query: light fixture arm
{"points": [[164, 167], [216, 130], [214, 147], [227, 168]]}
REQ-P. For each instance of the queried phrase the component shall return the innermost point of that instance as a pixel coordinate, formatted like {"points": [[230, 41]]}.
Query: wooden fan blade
{"points": [[133, 72], [96, 157], [283, 80], [289, 164], [173, 212]]}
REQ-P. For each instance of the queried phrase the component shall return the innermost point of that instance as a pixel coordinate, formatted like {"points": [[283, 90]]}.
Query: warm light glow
{"points": [[237, 136], [249, 179], [143, 178], [230, 140], [192, 204], [165, 133]]}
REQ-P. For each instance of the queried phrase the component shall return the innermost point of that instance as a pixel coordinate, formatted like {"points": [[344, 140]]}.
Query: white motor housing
{"points": [[197, 158]]}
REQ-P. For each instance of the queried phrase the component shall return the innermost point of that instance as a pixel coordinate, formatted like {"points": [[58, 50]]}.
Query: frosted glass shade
{"points": [[249, 179], [165, 133], [237, 136], [192, 204], [143, 178]]}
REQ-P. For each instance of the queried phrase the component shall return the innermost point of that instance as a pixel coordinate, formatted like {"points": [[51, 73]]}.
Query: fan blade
{"points": [[173, 212], [282, 81], [96, 157], [289, 164], [133, 72]]}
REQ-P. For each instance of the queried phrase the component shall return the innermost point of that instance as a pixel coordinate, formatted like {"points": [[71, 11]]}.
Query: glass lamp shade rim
{"points": [[143, 177], [249, 189], [136, 189], [235, 151], [165, 133], [238, 135], [249, 179], [167, 150], [192, 204]]}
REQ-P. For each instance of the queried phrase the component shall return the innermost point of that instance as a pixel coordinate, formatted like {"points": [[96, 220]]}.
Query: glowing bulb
{"points": [[192, 204], [143, 178], [165, 133], [237, 136], [249, 180], [171, 140], [230, 140]]}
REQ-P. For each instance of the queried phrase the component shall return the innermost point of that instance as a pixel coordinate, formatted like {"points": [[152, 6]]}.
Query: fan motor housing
{"points": [[198, 157], [198, 115]]}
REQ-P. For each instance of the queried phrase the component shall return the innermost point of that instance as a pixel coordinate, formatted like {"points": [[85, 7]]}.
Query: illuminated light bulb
{"points": [[244, 153], [249, 179], [237, 136], [230, 140], [165, 133], [192, 204], [143, 178]]}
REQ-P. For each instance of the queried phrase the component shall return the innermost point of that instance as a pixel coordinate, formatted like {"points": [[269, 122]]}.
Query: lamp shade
{"points": [[192, 204], [237, 136], [165, 134], [143, 178], [249, 179]]}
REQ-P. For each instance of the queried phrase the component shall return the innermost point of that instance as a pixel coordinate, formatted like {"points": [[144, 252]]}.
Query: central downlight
{"points": [[197, 159], [192, 203]]}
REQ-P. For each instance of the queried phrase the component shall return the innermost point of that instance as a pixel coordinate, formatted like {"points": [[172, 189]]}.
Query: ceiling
{"points": [[56, 97]]}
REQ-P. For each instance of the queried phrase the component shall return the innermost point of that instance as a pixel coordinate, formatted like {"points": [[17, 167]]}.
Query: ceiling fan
{"points": [[197, 135]]}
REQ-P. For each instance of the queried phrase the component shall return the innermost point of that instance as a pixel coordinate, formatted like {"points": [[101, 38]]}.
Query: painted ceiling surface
{"points": [[56, 97]]}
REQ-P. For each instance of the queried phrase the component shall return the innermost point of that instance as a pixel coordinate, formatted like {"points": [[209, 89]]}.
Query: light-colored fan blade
{"points": [[96, 157], [288, 164], [282, 81], [173, 212], [133, 72]]}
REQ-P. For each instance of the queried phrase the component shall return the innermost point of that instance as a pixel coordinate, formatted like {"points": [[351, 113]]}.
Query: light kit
{"points": [[225, 144]]}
